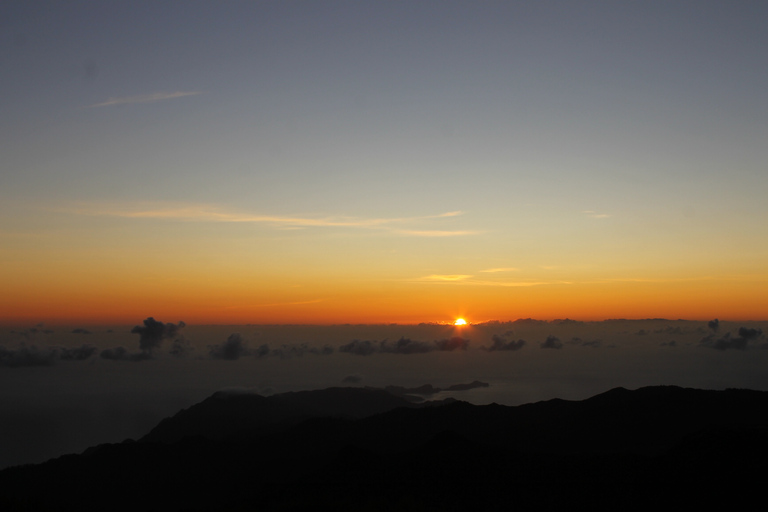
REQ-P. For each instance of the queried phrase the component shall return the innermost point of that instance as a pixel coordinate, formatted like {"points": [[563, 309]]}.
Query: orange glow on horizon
{"points": [[127, 299]]}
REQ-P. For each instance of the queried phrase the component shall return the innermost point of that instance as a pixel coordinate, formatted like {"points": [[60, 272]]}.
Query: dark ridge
{"points": [[362, 449], [225, 414]]}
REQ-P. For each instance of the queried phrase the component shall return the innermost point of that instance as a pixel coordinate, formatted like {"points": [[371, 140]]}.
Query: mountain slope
{"points": [[350, 449]]}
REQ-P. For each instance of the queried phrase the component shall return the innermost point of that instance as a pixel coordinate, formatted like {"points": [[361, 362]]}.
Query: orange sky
{"points": [[124, 301], [442, 166]]}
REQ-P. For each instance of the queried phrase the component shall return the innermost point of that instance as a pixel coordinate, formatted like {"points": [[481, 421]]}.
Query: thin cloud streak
{"points": [[435, 233], [145, 98], [208, 213], [595, 215], [653, 280], [518, 283], [504, 269], [445, 277], [466, 280], [276, 304]]}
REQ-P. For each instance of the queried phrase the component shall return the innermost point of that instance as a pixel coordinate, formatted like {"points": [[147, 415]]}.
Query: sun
{"points": [[460, 321]]}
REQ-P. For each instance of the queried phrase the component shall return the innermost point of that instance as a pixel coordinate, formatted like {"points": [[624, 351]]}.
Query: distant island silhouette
{"points": [[374, 449]]}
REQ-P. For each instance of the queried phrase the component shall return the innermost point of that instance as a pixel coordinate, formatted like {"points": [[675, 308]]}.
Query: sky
{"points": [[333, 162], [274, 196]]}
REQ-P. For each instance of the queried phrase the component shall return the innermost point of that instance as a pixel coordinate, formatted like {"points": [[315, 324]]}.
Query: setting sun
{"points": [[460, 321]]}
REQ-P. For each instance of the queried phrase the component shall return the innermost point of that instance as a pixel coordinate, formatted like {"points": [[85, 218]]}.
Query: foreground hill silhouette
{"points": [[366, 449]]}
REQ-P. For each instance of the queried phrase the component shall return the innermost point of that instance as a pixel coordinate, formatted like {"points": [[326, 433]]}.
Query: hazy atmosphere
{"points": [[276, 196], [64, 389]]}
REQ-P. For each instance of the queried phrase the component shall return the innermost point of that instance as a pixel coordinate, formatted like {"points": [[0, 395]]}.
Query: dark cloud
{"points": [[672, 343], [26, 356], [750, 334], [406, 346], [529, 321], [180, 348], [567, 321], [352, 379], [325, 350], [552, 342], [451, 344], [30, 355], [714, 325], [231, 350], [579, 342], [150, 337], [76, 354], [728, 342], [262, 351], [33, 334], [153, 333], [641, 332], [289, 351], [504, 342], [669, 330], [122, 354], [235, 347], [360, 347], [80, 330], [409, 346]]}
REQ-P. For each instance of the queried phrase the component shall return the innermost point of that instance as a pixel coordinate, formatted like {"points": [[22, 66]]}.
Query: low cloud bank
{"points": [[741, 341], [405, 346], [30, 355], [504, 342], [552, 342], [236, 347]]}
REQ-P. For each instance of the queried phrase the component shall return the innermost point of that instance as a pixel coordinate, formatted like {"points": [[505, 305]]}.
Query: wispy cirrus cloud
{"points": [[274, 304], [212, 213], [445, 277], [467, 279], [145, 98], [518, 284], [435, 233], [595, 215], [503, 269]]}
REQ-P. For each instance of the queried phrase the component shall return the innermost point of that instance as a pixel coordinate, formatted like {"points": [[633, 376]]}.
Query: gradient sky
{"points": [[330, 162]]}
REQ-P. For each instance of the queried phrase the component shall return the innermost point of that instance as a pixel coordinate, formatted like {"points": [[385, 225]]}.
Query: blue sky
{"points": [[613, 140]]}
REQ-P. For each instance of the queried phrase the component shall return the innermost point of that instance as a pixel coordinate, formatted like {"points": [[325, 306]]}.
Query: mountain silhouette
{"points": [[366, 449], [225, 414]]}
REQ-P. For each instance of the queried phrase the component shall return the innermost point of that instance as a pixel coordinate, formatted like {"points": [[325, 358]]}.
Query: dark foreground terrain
{"points": [[366, 449]]}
